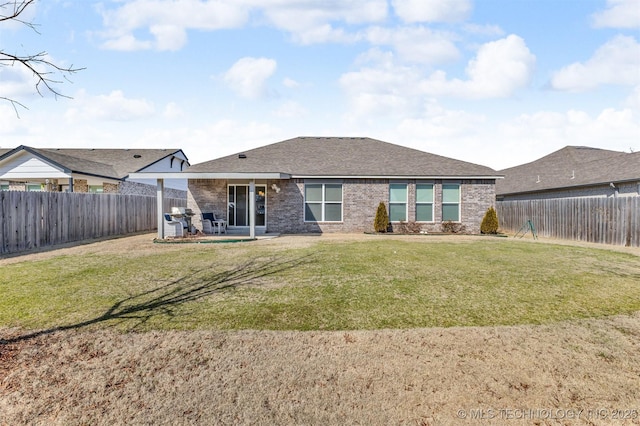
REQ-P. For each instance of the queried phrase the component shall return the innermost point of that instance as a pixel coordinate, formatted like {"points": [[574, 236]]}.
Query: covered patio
{"points": [[239, 199]]}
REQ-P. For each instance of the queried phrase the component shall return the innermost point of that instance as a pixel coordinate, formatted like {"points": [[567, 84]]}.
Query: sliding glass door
{"points": [[238, 213]]}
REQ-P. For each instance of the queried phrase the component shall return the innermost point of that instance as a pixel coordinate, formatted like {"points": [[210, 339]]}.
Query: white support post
{"points": [[252, 208], [160, 206]]}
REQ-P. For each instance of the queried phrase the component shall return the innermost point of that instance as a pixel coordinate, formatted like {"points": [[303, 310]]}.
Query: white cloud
{"points": [[167, 22], [247, 77], [633, 100], [223, 137], [619, 14], [16, 81], [290, 109], [382, 87], [318, 21], [611, 129], [290, 83], [484, 30], [112, 107], [387, 90], [499, 69], [172, 110], [169, 37], [440, 125], [432, 10], [615, 62], [416, 44]]}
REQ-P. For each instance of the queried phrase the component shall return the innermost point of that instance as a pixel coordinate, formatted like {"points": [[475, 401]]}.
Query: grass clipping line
{"points": [[420, 376]]}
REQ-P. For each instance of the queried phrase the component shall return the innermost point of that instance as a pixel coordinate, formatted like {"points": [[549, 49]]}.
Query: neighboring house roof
{"points": [[571, 166], [341, 157], [108, 163]]}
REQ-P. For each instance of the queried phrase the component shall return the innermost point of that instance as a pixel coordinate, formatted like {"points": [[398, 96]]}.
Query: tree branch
{"points": [[43, 69]]}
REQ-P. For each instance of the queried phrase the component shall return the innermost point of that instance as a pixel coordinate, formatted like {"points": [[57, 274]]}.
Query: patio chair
{"points": [[172, 227], [207, 223], [211, 224]]}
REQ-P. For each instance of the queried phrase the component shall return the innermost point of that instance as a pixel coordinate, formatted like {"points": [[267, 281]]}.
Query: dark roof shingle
{"points": [[112, 163], [343, 157], [571, 166]]}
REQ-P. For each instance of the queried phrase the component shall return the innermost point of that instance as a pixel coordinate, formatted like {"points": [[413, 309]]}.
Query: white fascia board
{"points": [[207, 175], [95, 178], [396, 177]]}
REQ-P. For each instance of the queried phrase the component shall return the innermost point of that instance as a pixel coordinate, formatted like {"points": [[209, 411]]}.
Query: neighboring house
{"points": [[573, 171], [333, 184], [90, 170]]}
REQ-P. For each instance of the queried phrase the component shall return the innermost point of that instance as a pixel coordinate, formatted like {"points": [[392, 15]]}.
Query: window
{"points": [[96, 189], [323, 202], [424, 202], [397, 202], [451, 202], [34, 187]]}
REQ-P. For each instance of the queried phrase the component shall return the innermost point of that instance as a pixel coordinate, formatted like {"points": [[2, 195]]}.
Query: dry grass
{"points": [[419, 376], [413, 377]]}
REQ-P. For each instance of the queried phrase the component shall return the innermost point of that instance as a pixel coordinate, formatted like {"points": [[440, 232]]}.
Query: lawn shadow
{"points": [[163, 300]]}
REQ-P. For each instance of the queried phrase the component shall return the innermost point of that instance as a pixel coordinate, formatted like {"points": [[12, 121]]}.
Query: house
{"points": [[334, 184], [573, 171], [90, 170]]}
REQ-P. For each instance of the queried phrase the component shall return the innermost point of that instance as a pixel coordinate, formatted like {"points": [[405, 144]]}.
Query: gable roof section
{"points": [[571, 166], [342, 157], [108, 163]]}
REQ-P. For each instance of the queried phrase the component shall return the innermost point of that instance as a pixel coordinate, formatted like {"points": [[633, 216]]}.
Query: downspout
{"points": [[252, 208], [160, 207]]}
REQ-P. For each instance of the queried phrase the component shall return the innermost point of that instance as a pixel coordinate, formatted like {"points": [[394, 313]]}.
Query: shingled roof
{"points": [[111, 163], [571, 166], [342, 157]]}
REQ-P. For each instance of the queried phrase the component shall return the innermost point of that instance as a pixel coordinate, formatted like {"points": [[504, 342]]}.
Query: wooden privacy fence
{"points": [[40, 219], [598, 220]]}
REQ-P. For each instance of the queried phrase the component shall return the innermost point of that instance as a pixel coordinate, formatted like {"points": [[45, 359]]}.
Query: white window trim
{"points": [[459, 203], [432, 202], [323, 202]]}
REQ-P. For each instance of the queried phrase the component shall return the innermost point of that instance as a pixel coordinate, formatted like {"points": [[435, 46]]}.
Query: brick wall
{"points": [[137, 188], [207, 196], [285, 209], [80, 185]]}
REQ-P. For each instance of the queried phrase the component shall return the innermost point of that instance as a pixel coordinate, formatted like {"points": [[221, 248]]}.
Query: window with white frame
{"points": [[451, 202], [323, 202], [424, 202], [397, 202]]}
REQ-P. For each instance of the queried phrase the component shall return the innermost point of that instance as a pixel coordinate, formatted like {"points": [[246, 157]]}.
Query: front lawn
{"points": [[369, 283]]}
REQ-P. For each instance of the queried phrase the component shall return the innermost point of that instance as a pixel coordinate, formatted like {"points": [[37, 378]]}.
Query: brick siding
{"points": [[285, 209]]}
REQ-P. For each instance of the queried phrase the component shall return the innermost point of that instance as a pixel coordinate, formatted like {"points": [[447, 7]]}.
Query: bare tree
{"points": [[46, 73]]}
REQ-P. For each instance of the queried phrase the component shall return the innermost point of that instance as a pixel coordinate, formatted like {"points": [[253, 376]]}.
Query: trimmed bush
{"points": [[381, 221], [489, 223]]}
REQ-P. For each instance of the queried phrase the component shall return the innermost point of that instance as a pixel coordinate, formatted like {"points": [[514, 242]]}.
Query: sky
{"points": [[493, 82]]}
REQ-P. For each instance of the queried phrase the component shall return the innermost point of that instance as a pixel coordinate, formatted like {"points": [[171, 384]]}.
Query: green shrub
{"points": [[381, 222], [489, 223]]}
